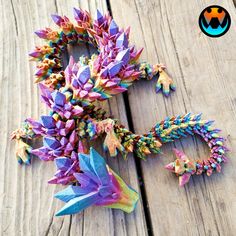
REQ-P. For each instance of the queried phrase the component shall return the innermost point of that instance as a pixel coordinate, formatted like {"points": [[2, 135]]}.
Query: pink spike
{"points": [[127, 31], [35, 54], [135, 56], [82, 147], [71, 61], [179, 154], [170, 167], [40, 72], [53, 180], [183, 179]]}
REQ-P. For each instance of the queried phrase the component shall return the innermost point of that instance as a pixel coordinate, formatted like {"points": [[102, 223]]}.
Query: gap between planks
{"points": [[137, 160]]}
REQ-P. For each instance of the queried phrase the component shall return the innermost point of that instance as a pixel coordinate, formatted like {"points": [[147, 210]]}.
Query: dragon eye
{"points": [[209, 10], [220, 10]]}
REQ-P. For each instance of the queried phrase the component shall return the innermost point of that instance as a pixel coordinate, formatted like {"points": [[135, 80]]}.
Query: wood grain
{"points": [[27, 203], [203, 69]]}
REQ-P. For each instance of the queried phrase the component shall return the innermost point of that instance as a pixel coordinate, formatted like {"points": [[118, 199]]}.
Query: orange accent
{"points": [[214, 13]]}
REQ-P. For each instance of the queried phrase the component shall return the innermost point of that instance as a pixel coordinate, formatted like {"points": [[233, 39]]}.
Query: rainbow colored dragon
{"points": [[74, 119]]}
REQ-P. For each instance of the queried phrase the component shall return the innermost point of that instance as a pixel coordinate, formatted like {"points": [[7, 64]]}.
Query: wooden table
{"points": [[204, 71]]}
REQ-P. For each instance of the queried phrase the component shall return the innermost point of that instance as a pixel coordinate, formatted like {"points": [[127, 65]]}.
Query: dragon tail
{"points": [[174, 128], [181, 126]]}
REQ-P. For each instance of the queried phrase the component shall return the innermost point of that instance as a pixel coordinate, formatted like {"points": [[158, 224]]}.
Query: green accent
{"points": [[129, 197]]}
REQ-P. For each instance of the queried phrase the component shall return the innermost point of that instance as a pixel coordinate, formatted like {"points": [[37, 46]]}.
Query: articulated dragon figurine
{"points": [[74, 119]]}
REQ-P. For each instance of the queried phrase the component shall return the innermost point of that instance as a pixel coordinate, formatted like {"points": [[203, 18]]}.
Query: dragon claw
{"points": [[23, 152], [164, 82]]}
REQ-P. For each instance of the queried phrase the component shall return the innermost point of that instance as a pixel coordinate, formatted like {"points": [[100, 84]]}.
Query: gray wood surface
{"points": [[203, 70]]}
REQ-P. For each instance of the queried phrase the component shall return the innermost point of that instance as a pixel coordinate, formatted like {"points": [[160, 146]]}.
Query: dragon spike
{"points": [[179, 154], [56, 18], [183, 179], [170, 167], [100, 17]]}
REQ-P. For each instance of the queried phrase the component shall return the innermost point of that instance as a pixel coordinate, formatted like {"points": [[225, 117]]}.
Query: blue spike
{"points": [[99, 166], [78, 204], [51, 143], [63, 163], [114, 68], [85, 166], [59, 98], [176, 136], [71, 192], [123, 56], [84, 159], [113, 28], [99, 17], [209, 123], [181, 132], [177, 121], [122, 41], [198, 117], [187, 117], [48, 122], [83, 74]]}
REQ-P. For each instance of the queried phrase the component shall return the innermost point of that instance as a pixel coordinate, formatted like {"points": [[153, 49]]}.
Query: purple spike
{"points": [[59, 98], [63, 163], [114, 68], [100, 17], [41, 33], [123, 56], [75, 83], [57, 19], [113, 28], [51, 143], [105, 191], [82, 179], [64, 141], [83, 74], [70, 124], [34, 54], [103, 73], [60, 124], [48, 122], [77, 13], [73, 137], [122, 41], [44, 90]]}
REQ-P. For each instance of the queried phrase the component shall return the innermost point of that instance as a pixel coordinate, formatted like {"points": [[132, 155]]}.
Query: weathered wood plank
{"points": [[27, 203], [203, 69]]}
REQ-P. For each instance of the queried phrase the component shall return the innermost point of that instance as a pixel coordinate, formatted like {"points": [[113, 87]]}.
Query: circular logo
{"points": [[214, 21]]}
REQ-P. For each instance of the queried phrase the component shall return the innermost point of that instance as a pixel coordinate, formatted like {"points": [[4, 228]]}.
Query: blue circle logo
{"points": [[214, 21]]}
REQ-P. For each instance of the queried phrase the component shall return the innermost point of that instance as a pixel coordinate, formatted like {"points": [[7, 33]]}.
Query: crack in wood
{"points": [[234, 2], [15, 19], [136, 159]]}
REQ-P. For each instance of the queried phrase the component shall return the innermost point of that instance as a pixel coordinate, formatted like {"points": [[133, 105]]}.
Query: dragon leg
{"points": [[164, 81], [22, 135]]}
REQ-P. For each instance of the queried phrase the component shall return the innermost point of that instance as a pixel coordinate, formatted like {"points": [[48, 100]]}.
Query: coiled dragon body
{"points": [[74, 119]]}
